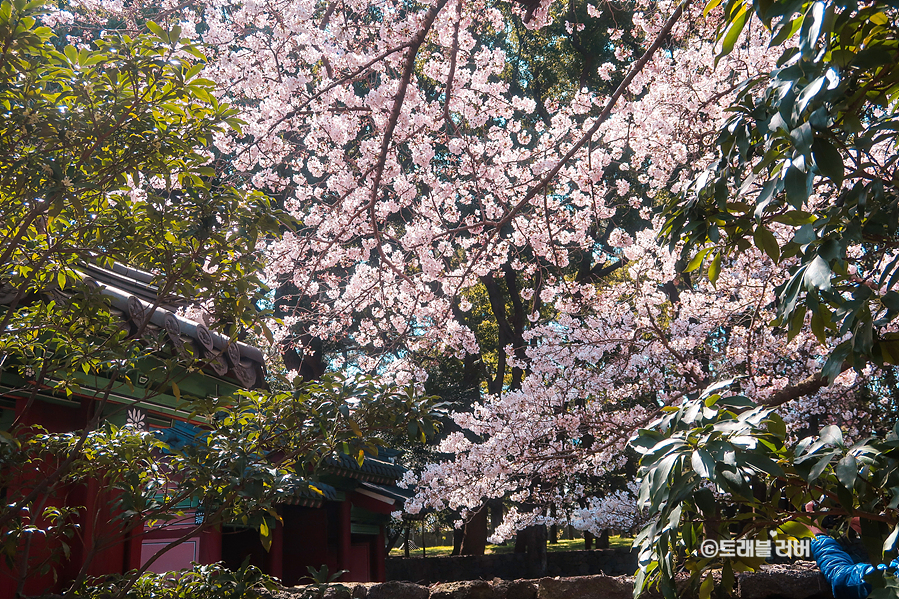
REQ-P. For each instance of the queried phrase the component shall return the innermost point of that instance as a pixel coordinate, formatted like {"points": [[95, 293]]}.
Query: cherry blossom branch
{"points": [[414, 44], [450, 125], [603, 116]]}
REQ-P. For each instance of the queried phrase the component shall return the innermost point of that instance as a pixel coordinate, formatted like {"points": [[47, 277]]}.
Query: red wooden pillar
{"points": [[275, 556], [133, 547], [210, 550], [344, 540], [379, 568]]}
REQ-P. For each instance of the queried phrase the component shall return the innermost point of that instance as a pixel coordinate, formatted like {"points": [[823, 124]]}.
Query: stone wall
{"points": [[510, 566], [798, 581]]}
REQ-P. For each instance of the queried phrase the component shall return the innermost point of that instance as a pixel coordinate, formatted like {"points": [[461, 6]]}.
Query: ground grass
{"points": [[509, 547]]}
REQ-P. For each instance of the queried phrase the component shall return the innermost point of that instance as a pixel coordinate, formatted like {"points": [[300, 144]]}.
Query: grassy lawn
{"points": [[509, 547]]}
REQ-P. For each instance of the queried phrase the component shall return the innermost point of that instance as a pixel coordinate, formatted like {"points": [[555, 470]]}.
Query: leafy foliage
{"points": [[212, 581], [807, 172], [719, 467]]}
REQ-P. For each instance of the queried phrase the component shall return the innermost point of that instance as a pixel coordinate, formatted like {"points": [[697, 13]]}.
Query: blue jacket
{"points": [[846, 578]]}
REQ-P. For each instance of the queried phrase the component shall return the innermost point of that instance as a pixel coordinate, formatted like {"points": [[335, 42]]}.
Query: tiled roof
{"points": [[304, 494], [373, 469], [131, 292]]}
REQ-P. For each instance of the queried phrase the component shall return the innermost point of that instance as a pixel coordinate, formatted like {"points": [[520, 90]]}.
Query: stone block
{"points": [[585, 587], [397, 590], [473, 589], [514, 589], [801, 580]]}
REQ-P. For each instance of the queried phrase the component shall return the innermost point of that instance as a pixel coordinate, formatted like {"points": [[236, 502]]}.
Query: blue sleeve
{"points": [[846, 578]]}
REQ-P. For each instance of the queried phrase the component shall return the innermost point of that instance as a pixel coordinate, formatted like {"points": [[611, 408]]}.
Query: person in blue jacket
{"points": [[846, 577]]}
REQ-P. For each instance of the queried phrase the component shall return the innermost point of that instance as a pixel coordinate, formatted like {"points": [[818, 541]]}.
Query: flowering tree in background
{"points": [[477, 215]]}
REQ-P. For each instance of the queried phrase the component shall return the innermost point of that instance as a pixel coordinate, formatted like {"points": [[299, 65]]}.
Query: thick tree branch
{"points": [[808, 386]]}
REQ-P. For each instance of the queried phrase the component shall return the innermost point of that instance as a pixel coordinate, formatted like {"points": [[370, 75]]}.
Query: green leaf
{"points": [[847, 471], [710, 6], [831, 435], [879, 19], [817, 275], [175, 390], [795, 218], [796, 530], [890, 300], [818, 468], [890, 543], [707, 586], [828, 160], [762, 464], [796, 186], [703, 463], [765, 241], [265, 536], [696, 262], [157, 30], [732, 33], [715, 268]]}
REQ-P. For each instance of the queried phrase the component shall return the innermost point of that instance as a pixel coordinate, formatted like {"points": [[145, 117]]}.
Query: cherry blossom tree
{"points": [[462, 221]]}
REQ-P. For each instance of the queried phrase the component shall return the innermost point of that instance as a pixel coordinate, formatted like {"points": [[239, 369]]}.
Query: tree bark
{"points": [[553, 530], [532, 542], [603, 541], [474, 538], [458, 534]]}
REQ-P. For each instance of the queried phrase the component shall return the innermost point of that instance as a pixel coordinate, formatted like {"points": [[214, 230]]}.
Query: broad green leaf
{"points": [[831, 435], [710, 6], [696, 262], [707, 586], [890, 543], [817, 275], [796, 530], [762, 464], [890, 300], [795, 218], [732, 33], [819, 467], [765, 241], [828, 160], [157, 30], [703, 463], [796, 186], [715, 268], [847, 471]]}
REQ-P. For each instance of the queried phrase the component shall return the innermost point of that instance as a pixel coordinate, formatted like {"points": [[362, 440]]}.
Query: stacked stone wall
{"points": [[800, 580], [510, 566]]}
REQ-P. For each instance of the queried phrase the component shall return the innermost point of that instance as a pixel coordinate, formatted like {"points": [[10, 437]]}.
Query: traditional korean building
{"points": [[342, 528]]}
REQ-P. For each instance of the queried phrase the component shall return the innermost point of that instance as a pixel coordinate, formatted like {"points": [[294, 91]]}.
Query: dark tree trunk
{"points": [[309, 360], [553, 530], [496, 513], [474, 539], [532, 542], [458, 534], [603, 541], [588, 539]]}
